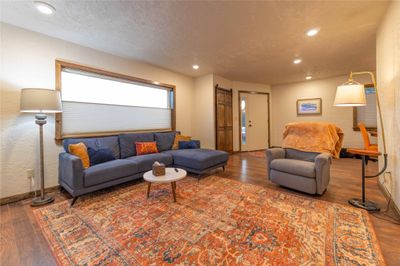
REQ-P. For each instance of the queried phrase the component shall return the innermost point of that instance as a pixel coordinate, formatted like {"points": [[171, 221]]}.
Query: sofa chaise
{"points": [[128, 166]]}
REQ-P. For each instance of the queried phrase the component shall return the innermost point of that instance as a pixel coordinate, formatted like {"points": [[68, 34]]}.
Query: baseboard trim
{"points": [[26, 195], [386, 193]]}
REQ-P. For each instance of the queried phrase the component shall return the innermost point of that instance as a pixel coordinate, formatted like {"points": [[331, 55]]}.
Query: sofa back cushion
{"points": [[100, 155], [300, 155], [97, 143], [164, 140], [127, 142]]}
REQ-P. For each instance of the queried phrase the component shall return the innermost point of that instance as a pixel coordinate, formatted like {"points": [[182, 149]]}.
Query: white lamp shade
{"points": [[350, 95], [40, 101]]}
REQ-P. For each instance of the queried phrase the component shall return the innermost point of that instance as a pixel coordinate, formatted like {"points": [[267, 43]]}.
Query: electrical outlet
{"points": [[30, 173]]}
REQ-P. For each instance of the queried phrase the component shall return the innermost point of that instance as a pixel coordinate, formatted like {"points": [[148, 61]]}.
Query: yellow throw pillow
{"points": [[180, 138], [80, 150]]}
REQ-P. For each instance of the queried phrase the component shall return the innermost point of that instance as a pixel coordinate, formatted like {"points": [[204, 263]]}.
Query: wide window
{"points": [[97, 102]]}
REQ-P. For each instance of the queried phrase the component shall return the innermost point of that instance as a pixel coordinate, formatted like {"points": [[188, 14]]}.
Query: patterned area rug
{"points": [[216, 221]]}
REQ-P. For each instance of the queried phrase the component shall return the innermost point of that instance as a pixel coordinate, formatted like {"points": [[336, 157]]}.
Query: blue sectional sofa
{"points": [[127, 166]]}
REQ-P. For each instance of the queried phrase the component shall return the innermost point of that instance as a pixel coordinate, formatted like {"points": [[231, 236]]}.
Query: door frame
{"points": [[217, 87], [240, 116]]}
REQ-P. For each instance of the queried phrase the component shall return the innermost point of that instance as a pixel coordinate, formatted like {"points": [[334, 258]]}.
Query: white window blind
{"points": [[95, 103], [367, 114]]}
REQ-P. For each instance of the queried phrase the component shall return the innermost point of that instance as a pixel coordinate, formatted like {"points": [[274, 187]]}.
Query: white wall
{"points": [[284, 108], [28, 60], [237, 86], [203, 123], [388, 78], [204, 106]]}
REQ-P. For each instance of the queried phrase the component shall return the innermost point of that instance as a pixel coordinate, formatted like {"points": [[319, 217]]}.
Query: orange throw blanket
{"points": [[319, 137]]}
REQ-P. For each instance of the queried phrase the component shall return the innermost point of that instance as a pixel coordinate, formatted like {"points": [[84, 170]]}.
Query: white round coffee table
{"points": [[171, 176]]}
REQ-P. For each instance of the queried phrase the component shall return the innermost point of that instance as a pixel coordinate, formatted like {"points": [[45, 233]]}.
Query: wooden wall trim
{"points": [[60, 64], [386, 193], [26, 195]]}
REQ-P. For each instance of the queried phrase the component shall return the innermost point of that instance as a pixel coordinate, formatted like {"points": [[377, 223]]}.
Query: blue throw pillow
{"points": [[192, 144], [99, 156]]}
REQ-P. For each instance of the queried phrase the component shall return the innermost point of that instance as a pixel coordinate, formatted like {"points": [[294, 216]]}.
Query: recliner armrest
{"points": [[322, 170], [323, 158], [274, 153], [70, 170]]}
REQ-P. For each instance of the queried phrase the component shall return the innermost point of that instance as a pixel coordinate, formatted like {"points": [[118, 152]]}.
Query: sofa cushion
{"points": [[111, 143], [108, 171], [127, 142], [143, 148], [145, 162], [80, 150], [191, 144], [198, 158], [100, 156], [295, 167], [164, 140]]}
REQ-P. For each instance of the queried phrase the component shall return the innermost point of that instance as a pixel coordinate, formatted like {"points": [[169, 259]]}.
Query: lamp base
{"points": [[367, 205], [39, 201]]}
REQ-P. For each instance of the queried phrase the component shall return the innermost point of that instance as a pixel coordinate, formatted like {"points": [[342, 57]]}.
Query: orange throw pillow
{"points": [[80, 150], [146, 147], [180, 138]]}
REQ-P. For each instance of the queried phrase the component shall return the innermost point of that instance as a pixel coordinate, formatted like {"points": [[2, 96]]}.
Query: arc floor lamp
{"points": [[41, 102], [352, 93]]}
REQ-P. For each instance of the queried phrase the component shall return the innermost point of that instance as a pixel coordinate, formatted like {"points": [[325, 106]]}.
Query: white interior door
{"points": [[254, 121]]}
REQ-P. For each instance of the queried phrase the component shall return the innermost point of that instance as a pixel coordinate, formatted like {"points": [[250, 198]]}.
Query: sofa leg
{"points": [[73, 201], [223, 168]]}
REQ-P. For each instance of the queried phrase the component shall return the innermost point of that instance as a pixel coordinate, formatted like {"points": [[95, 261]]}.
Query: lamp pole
{"points": [[377, 102], [363, 203], [41, 119]]}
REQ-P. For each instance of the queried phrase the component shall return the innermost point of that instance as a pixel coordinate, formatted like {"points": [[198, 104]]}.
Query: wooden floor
{"points": [[22, 242]]}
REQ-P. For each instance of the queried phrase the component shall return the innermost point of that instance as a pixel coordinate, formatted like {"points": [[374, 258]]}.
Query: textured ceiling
{"points": [[246, 41]]}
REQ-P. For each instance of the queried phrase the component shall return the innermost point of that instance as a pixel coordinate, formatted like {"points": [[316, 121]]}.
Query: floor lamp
{"points": [[41, 102], [352, 93]]}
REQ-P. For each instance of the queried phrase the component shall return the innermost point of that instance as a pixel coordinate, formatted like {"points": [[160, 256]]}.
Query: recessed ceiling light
{"points": [[312, 32], [44, 8], [297, 61], [195, 66], [308, 77], [156, 82]]}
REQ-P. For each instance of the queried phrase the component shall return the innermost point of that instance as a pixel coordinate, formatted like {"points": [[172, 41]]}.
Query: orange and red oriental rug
{"points": [[216, 221]]}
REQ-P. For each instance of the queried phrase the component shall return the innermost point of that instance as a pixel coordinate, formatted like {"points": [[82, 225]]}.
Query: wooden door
{"points": [[224, 119]]}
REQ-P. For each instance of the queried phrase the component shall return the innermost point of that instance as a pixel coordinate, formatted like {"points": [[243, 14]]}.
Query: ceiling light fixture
{"points": [[312, 32], [308, 77], [297, 61], [44, 8], [195, 67]]}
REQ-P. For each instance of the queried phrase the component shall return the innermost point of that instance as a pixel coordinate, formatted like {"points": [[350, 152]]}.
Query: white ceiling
{"points": [[245, 41]]}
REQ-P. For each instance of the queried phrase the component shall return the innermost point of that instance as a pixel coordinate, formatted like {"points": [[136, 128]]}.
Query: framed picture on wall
{"points": [[309, 106]]}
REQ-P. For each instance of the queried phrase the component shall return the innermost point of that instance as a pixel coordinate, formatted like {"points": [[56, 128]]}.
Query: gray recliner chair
{"points": [[304, 171]]}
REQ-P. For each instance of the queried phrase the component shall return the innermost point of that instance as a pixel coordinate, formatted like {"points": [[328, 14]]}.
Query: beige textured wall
{"points": [[388, 78], [238, 86], [284, 108], [27, 60], [203, 111]]}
